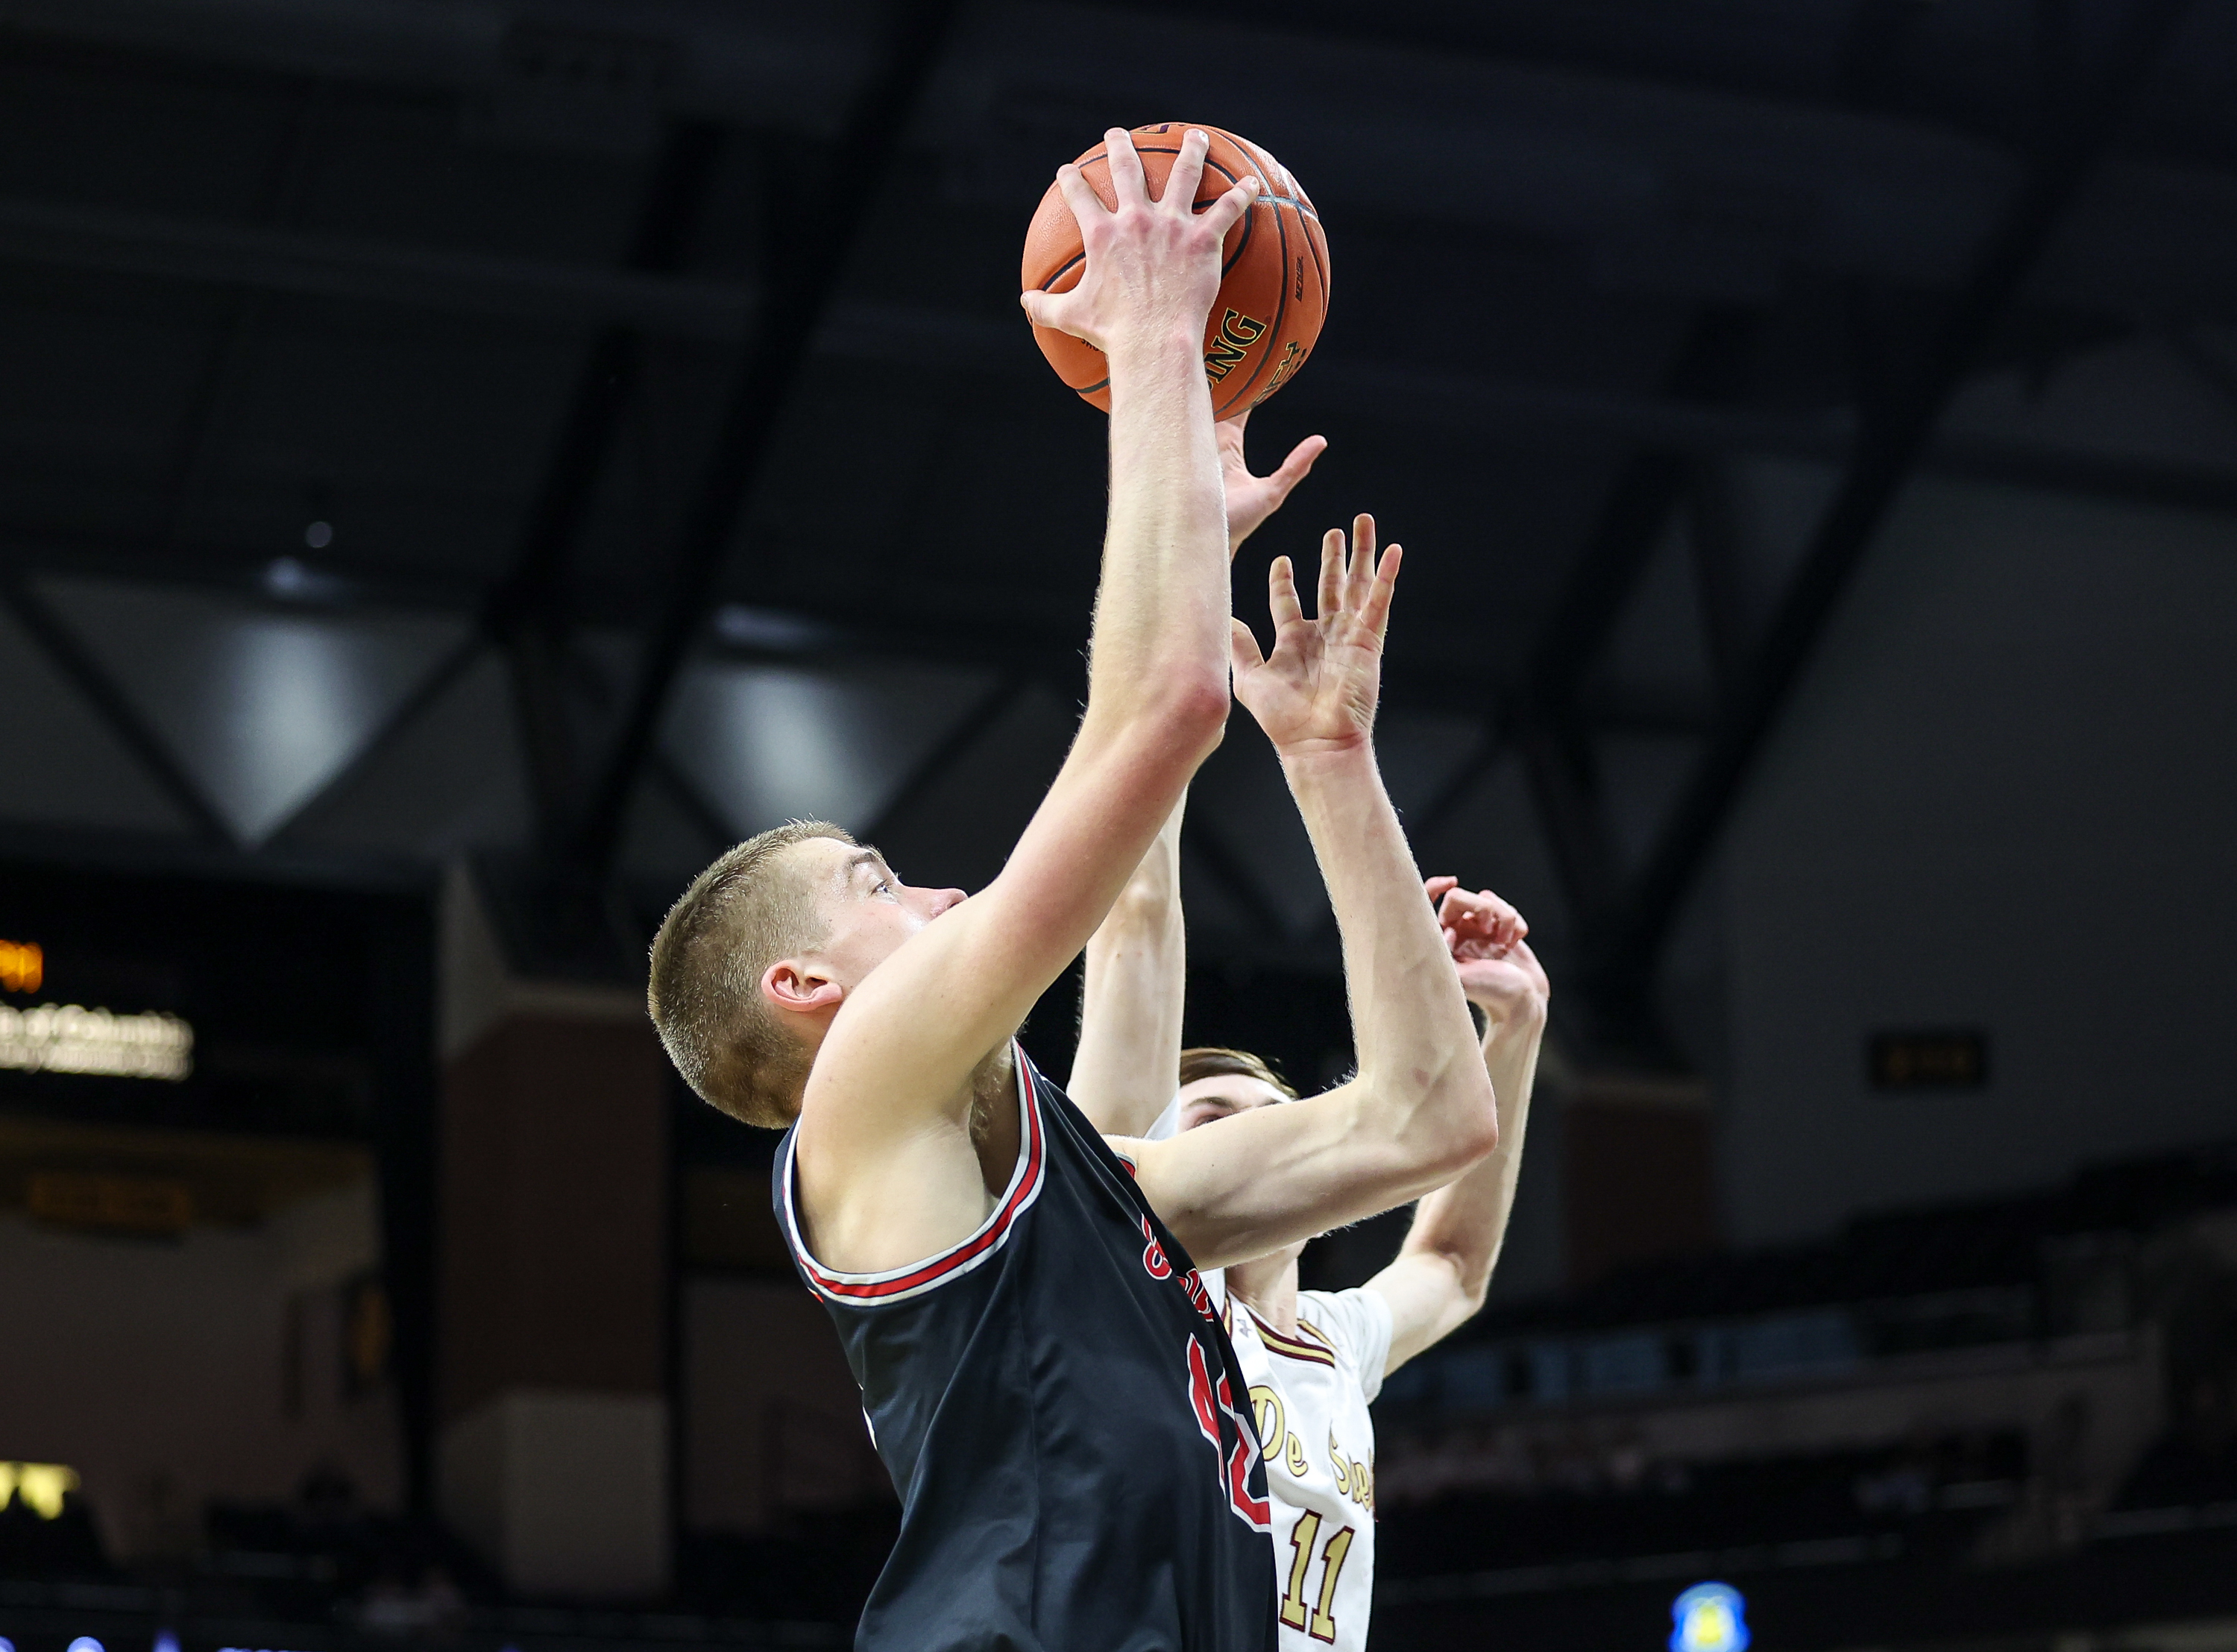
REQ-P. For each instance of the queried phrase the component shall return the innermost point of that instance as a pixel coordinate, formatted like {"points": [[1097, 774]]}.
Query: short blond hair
{"points": [[1214, 1061], [739, 917]]}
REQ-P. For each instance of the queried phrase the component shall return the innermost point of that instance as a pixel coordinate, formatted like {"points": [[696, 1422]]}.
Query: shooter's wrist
{"points": [[1151, 350]]}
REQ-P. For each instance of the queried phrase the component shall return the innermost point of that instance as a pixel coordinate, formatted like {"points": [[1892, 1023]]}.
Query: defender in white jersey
{"points": [[1314, 1360], [1310, 1389]]}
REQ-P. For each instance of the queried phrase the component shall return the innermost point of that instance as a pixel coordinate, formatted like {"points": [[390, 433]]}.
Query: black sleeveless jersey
{"points": [[1063, 1417]]}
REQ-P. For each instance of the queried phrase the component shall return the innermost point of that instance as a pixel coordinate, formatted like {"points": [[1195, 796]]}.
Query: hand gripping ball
{"points": [[1274, 271]]}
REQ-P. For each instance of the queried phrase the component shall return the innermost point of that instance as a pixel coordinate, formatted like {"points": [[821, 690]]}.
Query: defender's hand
{"points": [[1152, 265], [1317, 692], [1499, 972], [1252, 499]]}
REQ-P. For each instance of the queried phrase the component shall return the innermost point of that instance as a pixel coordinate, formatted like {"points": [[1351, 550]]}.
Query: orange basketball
{"points": [[1273, 288]]}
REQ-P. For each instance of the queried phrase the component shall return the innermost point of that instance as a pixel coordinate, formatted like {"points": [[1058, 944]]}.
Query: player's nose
{"points": [[932, 902]]}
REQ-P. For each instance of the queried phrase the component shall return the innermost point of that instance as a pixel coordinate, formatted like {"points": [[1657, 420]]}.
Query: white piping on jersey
{"points": [[898, 1283]]}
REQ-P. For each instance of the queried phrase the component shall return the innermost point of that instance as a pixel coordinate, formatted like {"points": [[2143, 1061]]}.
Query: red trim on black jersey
{"points": [[896, 1283]]}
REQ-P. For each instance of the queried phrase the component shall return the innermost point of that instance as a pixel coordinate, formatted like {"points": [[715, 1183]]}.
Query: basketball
{"points": [[1274, 273]]}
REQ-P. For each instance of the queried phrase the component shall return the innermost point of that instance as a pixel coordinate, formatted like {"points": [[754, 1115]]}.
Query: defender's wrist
{"points": [[1332, 759], [1508, 1019]]}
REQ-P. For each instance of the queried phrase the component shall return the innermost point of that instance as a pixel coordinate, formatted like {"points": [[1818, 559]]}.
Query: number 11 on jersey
{"points": [[1302, 1536]]}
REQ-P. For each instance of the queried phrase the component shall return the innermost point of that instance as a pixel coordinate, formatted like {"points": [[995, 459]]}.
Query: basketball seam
{"points": [[1282, 304]]}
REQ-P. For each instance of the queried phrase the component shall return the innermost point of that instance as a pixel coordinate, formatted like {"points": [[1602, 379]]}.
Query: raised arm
{"points": [[888, 1171], [1437, 1281], [1420, 1110], [1127, 1065]]}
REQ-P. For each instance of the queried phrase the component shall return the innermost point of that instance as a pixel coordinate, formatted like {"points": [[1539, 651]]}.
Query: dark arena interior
{"points": [[468, 461]]}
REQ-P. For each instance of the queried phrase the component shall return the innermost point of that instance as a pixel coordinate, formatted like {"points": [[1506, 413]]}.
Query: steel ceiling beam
{"points": [[77, 667], [528, 612], [810, 249], [438, 682], [949, 749], [121, 241], [1622, 954], [227, 368], [103, 238], [1541, 716]]}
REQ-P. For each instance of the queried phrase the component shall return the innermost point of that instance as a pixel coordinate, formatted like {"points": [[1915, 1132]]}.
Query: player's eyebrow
{"points": [[863, 858]]}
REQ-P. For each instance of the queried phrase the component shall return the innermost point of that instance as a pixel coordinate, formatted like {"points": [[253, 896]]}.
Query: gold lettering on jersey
{"points": [[1274, 1437], [1318, 1619], [1267, 1403], [1354, 1479], [1333, 1556], [1301, 1538], [1237, 332]]}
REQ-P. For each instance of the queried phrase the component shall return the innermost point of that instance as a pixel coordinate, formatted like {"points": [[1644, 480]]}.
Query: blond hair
{"points": [[1212, 1061], [739, 915]]}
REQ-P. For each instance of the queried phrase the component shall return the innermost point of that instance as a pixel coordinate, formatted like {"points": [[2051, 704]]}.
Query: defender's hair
{"points": [[739, 917], [1210, 1060]]}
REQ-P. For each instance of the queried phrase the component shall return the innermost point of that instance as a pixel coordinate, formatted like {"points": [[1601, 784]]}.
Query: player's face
{"points": [[869, 911], [1208, 1100]]}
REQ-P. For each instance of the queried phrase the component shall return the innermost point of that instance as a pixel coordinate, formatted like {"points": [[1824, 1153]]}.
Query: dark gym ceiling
{"points": [[607, 429]]}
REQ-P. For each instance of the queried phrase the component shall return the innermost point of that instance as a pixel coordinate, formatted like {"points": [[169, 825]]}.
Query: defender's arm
{"points": [[1421, 1109], [1128, 1063], [1437, 1281], [1126, 1068]]}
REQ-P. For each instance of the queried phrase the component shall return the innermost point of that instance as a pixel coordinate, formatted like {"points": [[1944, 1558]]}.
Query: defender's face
{"points": [[1208, 1100], [869, 912]]}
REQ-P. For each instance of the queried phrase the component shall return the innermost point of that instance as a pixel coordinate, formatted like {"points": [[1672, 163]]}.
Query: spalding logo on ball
{"points": [[1274, 269]]}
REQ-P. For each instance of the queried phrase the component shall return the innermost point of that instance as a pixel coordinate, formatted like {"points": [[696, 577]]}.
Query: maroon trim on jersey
{"points": [[1317, 1351], [897, 1283]]}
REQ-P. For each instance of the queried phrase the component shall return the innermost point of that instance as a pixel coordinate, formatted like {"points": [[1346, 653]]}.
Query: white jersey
{"points": [[1310, 1392]]}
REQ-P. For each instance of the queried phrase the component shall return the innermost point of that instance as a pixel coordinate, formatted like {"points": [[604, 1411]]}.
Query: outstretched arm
{"points": [[1437, 1282], [1128, 1063], [888, 1171], [1421, 1109]]}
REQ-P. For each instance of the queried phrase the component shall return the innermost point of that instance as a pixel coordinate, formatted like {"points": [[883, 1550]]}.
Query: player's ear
{"points": [[791, 983]]}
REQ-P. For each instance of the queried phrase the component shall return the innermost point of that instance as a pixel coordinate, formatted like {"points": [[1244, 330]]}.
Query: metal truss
{"points": [[807, 250], [1625, 917]]}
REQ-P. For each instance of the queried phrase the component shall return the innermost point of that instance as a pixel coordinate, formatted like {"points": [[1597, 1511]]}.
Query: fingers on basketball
{"points": [[1274, 285], [1087, 207], [1180, 190], [1226, 212], [1126, 178]]}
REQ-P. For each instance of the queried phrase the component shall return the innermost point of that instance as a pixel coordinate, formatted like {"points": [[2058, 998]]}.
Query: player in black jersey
{"points": [[1043, 1371]]}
